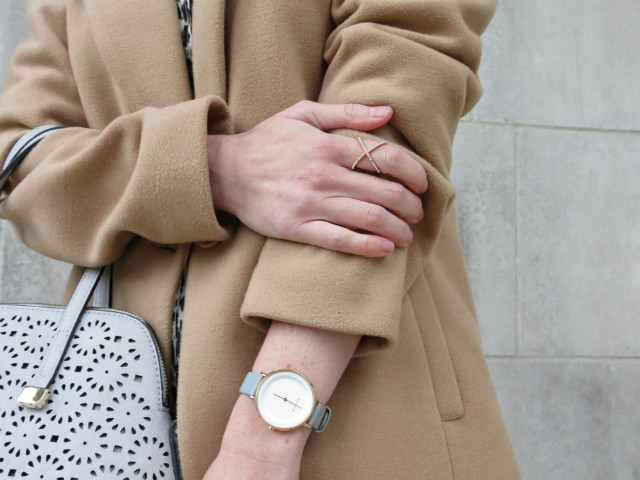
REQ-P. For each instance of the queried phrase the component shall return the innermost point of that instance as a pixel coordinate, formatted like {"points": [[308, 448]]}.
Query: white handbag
{"points": [[83, 392]]}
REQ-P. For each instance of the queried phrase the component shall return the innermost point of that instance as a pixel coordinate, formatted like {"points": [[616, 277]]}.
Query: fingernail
{"points": [[378, 112], [387, 246]]}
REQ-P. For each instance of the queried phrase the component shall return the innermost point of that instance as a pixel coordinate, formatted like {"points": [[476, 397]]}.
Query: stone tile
{"points": [[14, 27], [572, 419], [564, 63], [27, 276], [579, 242], [483, 173]]}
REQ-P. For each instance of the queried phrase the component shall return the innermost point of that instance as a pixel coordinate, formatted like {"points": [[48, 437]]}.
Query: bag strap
{"points": [[26, 143], [20, 150], [36, 393], [22, 147], [102, 293]]}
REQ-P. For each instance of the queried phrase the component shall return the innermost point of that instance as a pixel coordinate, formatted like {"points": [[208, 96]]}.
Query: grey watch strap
{"points": [[250, 384]]}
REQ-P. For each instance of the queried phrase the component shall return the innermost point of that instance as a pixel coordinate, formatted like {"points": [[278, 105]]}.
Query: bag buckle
{"points": [[33, 397]]}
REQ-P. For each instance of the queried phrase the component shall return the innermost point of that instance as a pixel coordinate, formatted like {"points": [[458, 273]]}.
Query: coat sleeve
{"points": [[82, 193], [420, 57]]}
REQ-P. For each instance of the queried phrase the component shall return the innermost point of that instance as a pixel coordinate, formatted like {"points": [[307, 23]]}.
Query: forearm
{"points": [[320, 355]]}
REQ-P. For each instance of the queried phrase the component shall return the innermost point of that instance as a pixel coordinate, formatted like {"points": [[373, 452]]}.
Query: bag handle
{"points": [[36, 394], [22, 147], [102, 292]]}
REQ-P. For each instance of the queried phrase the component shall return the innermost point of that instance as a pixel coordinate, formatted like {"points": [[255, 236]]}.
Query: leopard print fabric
{"points": [[178, 315], [184, 15]]}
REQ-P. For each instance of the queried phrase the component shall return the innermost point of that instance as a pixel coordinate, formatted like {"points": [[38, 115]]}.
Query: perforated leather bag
{"points": [[83, 392], [106, 414]]}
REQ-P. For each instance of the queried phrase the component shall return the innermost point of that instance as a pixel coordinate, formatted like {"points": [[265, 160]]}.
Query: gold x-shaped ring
{"points": [[367, 153]]}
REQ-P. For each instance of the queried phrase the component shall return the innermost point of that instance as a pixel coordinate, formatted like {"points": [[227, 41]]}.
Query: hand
{"points": [[287, 178]]}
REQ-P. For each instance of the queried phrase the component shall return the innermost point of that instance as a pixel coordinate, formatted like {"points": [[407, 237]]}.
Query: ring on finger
{"points": [[367, 153]]}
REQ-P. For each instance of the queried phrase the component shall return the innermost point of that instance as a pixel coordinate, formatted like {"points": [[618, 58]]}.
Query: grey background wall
{"points": [[547, 172]]}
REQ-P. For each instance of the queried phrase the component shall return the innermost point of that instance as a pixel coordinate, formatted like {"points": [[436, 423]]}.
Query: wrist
{"points": [[217, 152], [247, 434]]}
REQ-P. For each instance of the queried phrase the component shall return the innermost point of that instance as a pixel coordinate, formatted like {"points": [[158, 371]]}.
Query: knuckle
{"points": [[303, 104], [335, 240], [301, 107], [299, 231], [350, 110], [370, 246], [277, 226], [326, 147], [394, 192], [375, 215], [278, 220], [392, 158], [355, 111], [292, 227], [314, 175]]}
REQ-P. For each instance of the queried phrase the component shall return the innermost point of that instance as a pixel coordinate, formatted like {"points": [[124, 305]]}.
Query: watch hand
{"points": [[287, 400]]}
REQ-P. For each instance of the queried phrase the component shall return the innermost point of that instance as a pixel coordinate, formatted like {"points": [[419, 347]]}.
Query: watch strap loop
{"points": [[319, 417]]}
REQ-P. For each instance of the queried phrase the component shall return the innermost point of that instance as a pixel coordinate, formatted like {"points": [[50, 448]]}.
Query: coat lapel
{"points": [[208, 37], [140, 43]]}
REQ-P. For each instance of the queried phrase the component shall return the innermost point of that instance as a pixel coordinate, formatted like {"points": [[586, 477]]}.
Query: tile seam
{"points": [[516, 249], [564, 358], [557, 127]]}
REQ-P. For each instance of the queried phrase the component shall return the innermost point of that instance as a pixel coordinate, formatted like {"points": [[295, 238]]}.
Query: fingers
{"points": [[379, 191], [368, 217], [334, 237], [326, 116], [389, 160]]}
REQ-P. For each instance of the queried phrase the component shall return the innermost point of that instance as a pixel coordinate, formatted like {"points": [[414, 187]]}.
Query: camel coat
{"points": [[128, 183]]}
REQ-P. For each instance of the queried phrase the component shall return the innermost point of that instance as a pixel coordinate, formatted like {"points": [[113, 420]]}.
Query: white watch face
{"points": [[285, 399]]}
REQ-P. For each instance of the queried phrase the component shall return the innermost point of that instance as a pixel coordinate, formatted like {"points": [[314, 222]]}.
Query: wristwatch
{"points": [[285, 400]]}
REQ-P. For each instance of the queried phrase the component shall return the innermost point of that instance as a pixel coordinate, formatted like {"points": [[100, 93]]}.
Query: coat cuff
{"points": [[144, 174], [173, 152], [309, 286]]}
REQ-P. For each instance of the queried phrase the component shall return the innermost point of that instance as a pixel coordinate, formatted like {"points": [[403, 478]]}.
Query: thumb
{"points": [[326, 116]]}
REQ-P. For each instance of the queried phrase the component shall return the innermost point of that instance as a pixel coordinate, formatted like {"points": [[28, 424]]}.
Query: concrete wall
{"points": [[24, 274], [546, 169]]}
